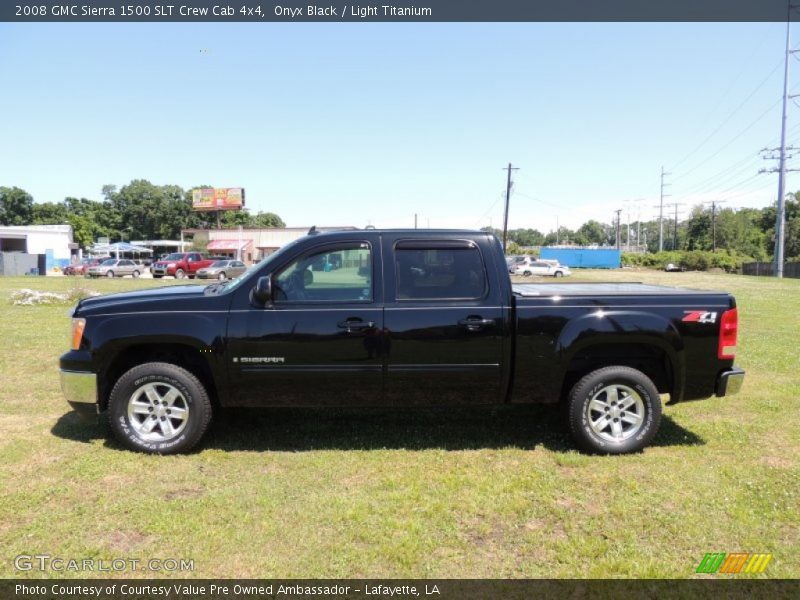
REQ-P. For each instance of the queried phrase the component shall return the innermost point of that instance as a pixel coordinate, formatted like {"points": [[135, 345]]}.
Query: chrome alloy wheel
{"points": [[615, 413], [158, 412]]}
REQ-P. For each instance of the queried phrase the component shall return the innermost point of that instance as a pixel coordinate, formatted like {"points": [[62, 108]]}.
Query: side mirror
{"points": [[262, 293]]}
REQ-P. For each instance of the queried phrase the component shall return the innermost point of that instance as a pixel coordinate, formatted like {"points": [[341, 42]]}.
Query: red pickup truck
{"points": [[180, 265]]}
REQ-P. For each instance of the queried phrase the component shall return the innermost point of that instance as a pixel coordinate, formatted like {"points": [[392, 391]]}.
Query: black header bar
{"points": [[425, 11]]}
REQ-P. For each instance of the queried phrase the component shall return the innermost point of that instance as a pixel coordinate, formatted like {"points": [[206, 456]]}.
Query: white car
{"points": [[544, 269]]}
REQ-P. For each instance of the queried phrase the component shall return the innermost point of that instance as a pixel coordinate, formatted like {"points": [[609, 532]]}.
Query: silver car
{"points": [[115, 267], [222, 270]]}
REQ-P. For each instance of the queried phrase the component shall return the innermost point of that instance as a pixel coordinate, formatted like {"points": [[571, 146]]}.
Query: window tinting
{"points": [[341, 274], [439, 273]]}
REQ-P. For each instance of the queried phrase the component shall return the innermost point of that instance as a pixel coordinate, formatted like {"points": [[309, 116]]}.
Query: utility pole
{"points": [[675, 225], [713, 204], [415, 220], [661, 211], [618, 211], [509, 168]]}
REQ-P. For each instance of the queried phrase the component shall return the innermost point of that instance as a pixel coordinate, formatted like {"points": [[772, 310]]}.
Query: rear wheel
{"points": [[159, 408], [526, 273], [614, 410], [222, 276], [135, 274], [180, 274], [559, 274]]}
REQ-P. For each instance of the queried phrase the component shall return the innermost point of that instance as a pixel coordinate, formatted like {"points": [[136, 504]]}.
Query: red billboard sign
{"points": [[206, 199]]}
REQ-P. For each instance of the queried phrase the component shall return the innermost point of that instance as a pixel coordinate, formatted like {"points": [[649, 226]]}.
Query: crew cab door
{"points": [[318, 342], [444, 323]]}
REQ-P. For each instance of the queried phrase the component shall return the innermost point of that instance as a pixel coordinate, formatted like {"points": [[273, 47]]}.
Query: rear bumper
{"points": [[730, 382], [80, 390]]}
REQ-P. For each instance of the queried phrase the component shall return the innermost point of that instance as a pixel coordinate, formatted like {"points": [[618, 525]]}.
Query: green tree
{"points": [[16, 206], [50, 213]]}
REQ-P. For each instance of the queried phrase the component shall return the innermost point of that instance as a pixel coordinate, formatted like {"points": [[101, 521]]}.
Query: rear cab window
{"points": [[439, 270]]}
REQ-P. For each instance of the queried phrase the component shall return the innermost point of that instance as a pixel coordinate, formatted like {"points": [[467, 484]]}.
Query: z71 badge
{"points": [[699, 316]]}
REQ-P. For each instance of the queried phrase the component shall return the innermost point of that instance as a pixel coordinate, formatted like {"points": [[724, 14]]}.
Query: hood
{"points": [[152, 300]]}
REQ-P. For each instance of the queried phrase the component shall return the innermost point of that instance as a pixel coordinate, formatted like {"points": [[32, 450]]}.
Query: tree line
{"points": [[139, 210], [143, 210], [745, 232]]}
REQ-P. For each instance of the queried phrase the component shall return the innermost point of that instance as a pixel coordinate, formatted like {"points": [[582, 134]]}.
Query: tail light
{"points": [[728, 329]]}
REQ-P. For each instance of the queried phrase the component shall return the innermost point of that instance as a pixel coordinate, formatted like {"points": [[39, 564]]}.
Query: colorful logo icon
{"points": [[735, 562]]}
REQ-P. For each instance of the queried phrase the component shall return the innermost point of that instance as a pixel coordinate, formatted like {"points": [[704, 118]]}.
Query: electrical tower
{"points": [[675, 205]]}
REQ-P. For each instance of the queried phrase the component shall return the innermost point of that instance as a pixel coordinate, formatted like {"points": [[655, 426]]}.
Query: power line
{"points": [[729, 117]]}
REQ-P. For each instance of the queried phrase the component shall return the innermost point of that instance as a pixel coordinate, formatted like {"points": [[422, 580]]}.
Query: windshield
{"points": [[261, 268], [110, 262], [173, 256]]}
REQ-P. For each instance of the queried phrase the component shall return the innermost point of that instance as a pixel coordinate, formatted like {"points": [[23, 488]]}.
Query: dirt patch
{"points": [[183, 493], [121, 542]]}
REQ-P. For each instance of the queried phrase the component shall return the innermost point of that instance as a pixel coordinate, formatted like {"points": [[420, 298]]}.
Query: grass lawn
{"points": [[410, 494]]}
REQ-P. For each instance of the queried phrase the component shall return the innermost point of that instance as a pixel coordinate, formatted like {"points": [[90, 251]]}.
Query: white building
{"points": [[52, 242]]}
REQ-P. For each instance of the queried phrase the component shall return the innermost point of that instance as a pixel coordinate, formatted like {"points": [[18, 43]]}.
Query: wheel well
{"points": [[647, 358], [181, 355]]}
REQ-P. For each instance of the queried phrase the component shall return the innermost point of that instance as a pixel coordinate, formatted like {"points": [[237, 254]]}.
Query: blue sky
{"points": [[368, 123]]}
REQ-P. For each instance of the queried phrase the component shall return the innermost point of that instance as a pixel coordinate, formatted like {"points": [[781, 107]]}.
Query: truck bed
{"points": [[528, 290]]}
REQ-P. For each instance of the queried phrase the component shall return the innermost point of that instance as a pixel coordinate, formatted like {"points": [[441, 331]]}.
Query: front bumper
{"points": [[80, 390], [730, 382]]}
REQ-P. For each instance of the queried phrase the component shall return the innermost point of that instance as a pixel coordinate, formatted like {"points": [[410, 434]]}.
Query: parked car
{"points": [[115, 267], [180, 265], [433, 320], [670, 267], [222, 270], [81, 267], [543, 268]]}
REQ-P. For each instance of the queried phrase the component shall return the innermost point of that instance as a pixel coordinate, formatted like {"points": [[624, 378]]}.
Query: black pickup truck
{"points": [[396, 318]]}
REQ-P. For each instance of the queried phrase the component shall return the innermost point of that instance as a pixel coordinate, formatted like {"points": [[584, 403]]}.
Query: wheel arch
{"points": [[643, 341], [185, 354]]}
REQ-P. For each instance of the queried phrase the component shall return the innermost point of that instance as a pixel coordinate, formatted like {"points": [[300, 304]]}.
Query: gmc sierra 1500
{"points": [[408, 318]]}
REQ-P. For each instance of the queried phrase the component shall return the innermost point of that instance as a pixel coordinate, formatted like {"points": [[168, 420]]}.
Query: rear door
{"points": [[444, 323]]}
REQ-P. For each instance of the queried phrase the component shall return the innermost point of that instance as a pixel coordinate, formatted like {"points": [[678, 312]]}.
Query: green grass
{"points": [[478, 493]]}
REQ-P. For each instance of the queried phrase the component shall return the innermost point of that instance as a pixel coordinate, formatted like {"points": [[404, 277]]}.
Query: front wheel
{"points": [[527, 273], [614, 410], [559, 274], [110, 274], [222, 276], [159, 408], [180, 274], [135, 274]]}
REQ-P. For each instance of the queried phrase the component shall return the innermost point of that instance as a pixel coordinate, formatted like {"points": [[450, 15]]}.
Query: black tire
{"points": [[110, 274], [180, 274], [222, 276], [595, 386], [135, 274], [527, 273], [559, 274], [164, 376]]}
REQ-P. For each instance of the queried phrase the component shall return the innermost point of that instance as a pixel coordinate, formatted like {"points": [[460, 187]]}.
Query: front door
{"points": [[318, 343]]}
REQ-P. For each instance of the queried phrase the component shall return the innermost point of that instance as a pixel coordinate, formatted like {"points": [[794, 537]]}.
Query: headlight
{"points": [[170, 264], [78, 325]]}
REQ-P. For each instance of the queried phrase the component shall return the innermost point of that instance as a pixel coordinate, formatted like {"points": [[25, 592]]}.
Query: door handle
{"points": [[476, 323], [355, 325]]}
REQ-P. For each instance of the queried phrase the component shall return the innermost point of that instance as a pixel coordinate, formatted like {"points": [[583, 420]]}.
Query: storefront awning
{"points": [[229, 245]]}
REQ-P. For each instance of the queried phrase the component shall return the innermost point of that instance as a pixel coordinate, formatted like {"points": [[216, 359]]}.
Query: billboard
{"points": [[218, 198]]}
